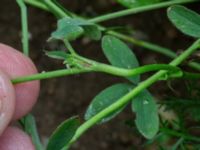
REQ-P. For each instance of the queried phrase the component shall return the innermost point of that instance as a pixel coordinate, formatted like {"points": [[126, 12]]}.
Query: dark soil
{"points": [[64, 97]]}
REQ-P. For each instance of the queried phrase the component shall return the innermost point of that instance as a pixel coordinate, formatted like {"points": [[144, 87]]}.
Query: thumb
{"points": [[7, 101]]}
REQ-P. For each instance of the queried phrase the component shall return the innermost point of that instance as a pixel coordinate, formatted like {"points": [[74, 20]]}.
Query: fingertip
{"points": [[15, 139], [15, 64]]}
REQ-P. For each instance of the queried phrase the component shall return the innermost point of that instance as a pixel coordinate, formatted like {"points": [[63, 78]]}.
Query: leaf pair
{"points": [[71, 28], [143, 105], [120, 55]]}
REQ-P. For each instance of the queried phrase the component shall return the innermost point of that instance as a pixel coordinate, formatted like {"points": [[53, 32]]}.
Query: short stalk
{"points": [[38, 4], [55, 9], [69, 47]]}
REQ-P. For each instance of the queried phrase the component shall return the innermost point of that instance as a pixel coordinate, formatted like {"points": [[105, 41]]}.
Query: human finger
{"points": [[15, 139], [15, 64]]}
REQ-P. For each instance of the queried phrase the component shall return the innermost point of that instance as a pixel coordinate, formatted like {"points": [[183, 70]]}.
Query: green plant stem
{"points": [[55, 9], [125, 99], [191, 76], [38, 4], [133, 72], [31, 130], [116, 71], [69, 47], [98, 67], [25, 36], [138, 10], [165, 51], [194, 65], [47, 75], [179, 134]]}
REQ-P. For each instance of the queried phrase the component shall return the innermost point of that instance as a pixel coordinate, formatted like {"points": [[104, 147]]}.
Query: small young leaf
{"points": [[57, 54], [106, 98], [72, 21], [69, 32], [136, 3], [186, 20], [63, 134], [147, 120], [120, 55], [71, 28]]}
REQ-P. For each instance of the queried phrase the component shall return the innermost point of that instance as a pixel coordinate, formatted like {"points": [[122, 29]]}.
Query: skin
{"points": [[15, 139], [15, 64], [15, 100]]}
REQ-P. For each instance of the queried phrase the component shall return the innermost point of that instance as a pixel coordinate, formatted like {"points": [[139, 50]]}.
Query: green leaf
{"points": [[71, 28], [106, 98], [147, 120], [63, 134], [186, 20], [120, 55], [57, 54], [92, 32], [68, 28], [69, 32], [137, 3], [29, 126]]}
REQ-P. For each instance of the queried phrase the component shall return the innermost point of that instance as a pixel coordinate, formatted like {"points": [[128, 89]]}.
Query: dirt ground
{"points": [[64, 97]]}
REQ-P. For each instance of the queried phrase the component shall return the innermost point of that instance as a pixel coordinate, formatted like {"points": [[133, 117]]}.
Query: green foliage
{"points": [[147, 120], [186, 20], [63, 134], [57, 54], [105, 99], [115, 97], [29, 125], [120, 55], [92, 32], [67, 29], [184, 107], [137, 3], [71, 28]]}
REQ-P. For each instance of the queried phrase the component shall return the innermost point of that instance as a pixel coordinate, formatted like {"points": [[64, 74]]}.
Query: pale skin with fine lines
{"points": [[15, 64], [15, 100], [15, 139], [7, 101]]}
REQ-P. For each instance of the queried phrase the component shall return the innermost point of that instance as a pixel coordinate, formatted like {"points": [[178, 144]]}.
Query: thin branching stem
{"points": [[147, 45], [25, 36], [138, 10]]}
